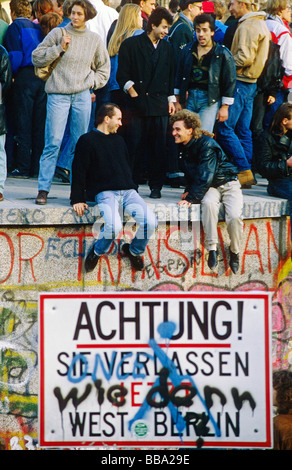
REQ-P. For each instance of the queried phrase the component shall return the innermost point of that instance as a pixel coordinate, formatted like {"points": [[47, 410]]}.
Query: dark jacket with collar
{"points": [[205, 165], [222, 73], [271, 155], [5, 81], [152, 71], [180, 34]]}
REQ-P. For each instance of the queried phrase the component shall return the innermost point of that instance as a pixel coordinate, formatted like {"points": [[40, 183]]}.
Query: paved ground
{"points": [[22, 193]]}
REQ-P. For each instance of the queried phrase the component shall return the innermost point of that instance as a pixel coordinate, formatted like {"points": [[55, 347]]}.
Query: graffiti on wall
{"points": [[31, 257], [18, 370]]}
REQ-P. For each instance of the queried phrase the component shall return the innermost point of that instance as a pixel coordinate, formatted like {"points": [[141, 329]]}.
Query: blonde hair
{"points": [[126, 25], [220, 8], [275, 6]]}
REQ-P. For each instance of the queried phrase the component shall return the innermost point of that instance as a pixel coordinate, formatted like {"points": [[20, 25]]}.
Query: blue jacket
{"points": [[222, 74], [22, 37]]}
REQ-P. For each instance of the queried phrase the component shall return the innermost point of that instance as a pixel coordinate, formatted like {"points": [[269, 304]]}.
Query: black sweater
{"points": [[100, 164]]}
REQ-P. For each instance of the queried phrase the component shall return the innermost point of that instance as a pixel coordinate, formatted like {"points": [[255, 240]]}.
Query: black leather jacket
{"points": [[271, 155], [222, 73], [5, 80], [205, 165]]}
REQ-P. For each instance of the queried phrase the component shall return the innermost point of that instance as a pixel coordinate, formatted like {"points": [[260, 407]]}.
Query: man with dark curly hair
{"points": [[211, 179]]}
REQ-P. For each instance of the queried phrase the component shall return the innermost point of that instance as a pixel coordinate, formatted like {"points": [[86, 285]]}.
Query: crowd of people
{"points": [[175, 95], [205, 102]]}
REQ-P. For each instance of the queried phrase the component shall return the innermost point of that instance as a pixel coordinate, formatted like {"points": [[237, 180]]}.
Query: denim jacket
{"points": [[222, 75]]}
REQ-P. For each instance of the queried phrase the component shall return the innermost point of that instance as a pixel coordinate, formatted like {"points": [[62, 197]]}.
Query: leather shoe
{"points": [[91, 260], [155, 193], [213, 259], [63, 174], [135, 260], [41, 198], [234, 261]]}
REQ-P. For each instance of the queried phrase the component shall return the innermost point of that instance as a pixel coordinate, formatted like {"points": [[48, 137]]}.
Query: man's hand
{"points": [[289, 162], [132, 92], [184, 195], [222, 114], [184, 203], [177, 104], [271, 100], [171, 108], [79, 207]]}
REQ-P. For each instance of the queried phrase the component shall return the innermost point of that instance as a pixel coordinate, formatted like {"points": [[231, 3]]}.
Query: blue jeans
{"points": [[58, 108], [282, 187], [112, 205], [3, 164], [67, 149], [198, 103], [234, 135]]}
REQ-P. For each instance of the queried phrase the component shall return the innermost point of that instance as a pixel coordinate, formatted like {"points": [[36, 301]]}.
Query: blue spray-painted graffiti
{"points": [[166, 331]]}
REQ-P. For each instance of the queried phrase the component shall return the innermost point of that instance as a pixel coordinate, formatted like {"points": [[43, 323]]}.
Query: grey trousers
{"points": [[230, 195]]}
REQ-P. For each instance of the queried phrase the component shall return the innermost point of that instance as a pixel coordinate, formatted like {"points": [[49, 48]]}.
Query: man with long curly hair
{"points": [[211, 179]]}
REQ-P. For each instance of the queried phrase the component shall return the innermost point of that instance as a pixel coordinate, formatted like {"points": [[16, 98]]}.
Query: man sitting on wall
{"points": [[211, 178], [101, 172]]}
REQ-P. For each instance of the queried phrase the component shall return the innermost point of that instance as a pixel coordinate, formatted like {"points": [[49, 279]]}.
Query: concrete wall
{"points": [[43, 250]]}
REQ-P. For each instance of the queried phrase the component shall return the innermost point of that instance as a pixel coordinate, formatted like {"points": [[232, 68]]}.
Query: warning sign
{"points": [[158, 369]]}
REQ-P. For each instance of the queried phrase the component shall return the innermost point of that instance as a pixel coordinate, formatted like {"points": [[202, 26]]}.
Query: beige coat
{"points": [[250, 46]]}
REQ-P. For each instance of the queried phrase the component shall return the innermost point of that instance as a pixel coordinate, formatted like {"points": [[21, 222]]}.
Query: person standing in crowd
{"points": [[209, 7], [206, 75], [282, 401], [279, 17], [5, 80], [273, 155], [182, 30], [49, 21], [220, 10], [147, 7], [129, 24], [66, 13], [180, 34], [103, 19], [28, 94], [146, 73], [84, 65], [101, 172], [210, 179], [42, 7], [58, 6], [250, 48]]}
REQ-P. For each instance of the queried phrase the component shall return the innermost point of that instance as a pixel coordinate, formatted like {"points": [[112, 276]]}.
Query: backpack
{"points": [[169, 36]]}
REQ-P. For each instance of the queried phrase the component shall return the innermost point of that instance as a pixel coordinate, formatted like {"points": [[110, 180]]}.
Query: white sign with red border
{"points": [[155, 369]]}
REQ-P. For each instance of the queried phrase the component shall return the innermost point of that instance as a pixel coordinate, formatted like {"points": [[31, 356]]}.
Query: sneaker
{"points": [[1, 197], [91, 260], [135, 260], [17, 174], [42, 198]]}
